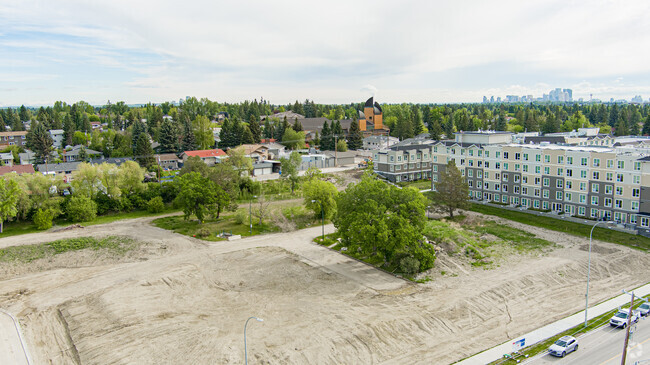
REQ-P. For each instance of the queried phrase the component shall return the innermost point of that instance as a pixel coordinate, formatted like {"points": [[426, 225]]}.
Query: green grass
{"points": [[17, 228], [419, 184], [576, 331], [211, 226], [635, 241], [112, 217], [518, 238], [29, 253]]}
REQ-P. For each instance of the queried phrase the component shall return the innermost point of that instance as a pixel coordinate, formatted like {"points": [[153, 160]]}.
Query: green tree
{"points": [[189, 142], [355, 136], [341, 146], [382, 220], [321, 192], [293, 140], [143, 151], [169, 134], [254, 127], [39, 141], [238, 159], [68, 130], [451, 190], [9, 194], [79, 138], [326, 139], [247, 137], [43, 218], [81, 209], [289, 167], [198, 195], [203, 132]]}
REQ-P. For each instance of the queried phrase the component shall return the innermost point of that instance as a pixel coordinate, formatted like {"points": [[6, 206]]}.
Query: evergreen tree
{"points": [[225, 140], [24, 114], [188, 142], [280, 128], [2, 124], [646, 126], [502, 125], [355, 137], [247, 136], [613, 115], [143, 151], [16, 124], [68, 130], [254, 128], [297, 126], [326, 140], [621, 128], [86, 123], [83, 155], [138, 129], [268, 129], [337, 130], [435, 123], [39, 141], [168, 137]]}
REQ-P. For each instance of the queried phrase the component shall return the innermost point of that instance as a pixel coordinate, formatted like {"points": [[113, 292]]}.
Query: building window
{"points": [[645, 221], [505, 155], [609, 176], [567, 197], [619, 190], [505, 177], [517, 156], [610, 164], [536, 204], [620, 164], [568, 184], [536, 192], [524, 190], [593, 213], [525, 157], [538, 158], [545, 205], [560, 159], [595, 188], [635, 193], [596, 162], [583, 186], [525, 168], [547, 170], [619, 177], [516, 189], [546, 181], [569, 160], [558, 195], [608, 202], [594, 200], [637, 166], [516, 178], [479, 174], [538, 170], [497, 165], [537, 181], [547, 158], [582, 198], [392, 158], [560, 171], [545, 194], [524, 179], [596, 175], [559, 184], [505, 188], [569, 172], [618, 203], [635, 206], [583, 174]]}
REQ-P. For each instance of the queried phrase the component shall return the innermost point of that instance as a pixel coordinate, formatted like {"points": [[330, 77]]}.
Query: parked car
{"points": [[563, 346], [644, 309], [620, 318]]}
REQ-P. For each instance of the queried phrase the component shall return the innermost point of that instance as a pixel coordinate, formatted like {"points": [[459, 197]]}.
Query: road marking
{"points": [[621, 353]]}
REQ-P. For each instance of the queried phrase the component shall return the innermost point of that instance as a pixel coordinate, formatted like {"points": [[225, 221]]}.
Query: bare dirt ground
{"points": [[177, 300]]}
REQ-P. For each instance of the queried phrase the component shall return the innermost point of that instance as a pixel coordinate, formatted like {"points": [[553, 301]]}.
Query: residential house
{"points": [[17, 169], [168, 161], [63, 169], [112, 160], [379, 142], [18, 138], [7, 159], [73, 154], [257, 152], [210, 157]]}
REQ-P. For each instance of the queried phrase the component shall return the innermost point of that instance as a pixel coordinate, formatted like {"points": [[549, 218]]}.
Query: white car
{"points": [[644, 309], [620, 318], [563, 346]]}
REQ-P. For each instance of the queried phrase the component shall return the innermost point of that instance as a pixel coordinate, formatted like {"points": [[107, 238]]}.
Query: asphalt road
{"points": [[604, 347]]}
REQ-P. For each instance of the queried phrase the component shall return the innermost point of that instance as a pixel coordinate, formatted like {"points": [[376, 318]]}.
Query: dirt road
{"points": [[184, 301]]}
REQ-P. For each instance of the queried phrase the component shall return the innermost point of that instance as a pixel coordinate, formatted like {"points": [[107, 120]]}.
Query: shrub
{"points": [[81, 208], [241, 216], [203, 232], [43, 218], [409, 265], [155, 205]]}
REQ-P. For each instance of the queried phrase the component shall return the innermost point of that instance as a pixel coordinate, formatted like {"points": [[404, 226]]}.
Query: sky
{"points": [[327, 51]]}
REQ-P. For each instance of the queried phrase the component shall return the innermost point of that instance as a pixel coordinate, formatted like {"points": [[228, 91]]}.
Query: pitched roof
{"points": [[13, 133], [206, 153], [166, 157], [58, 167], [19, 169]]}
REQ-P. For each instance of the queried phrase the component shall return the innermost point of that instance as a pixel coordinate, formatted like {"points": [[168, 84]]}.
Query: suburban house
{"points": [[18, 138], [112, 160], [64, 169], [73, 154], [257, 152], [7, 159], [168, 161], [210, 157], [17, 169], [57, 137]]}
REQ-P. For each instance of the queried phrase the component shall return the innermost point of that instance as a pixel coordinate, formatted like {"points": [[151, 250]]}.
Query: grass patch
{"points": [[520, 239], [576, 331], [419, 184], [29, 253], [212, 226], [635, 241]]}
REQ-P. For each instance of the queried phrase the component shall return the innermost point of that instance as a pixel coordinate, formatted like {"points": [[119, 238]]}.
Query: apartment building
{"points": [[583, 181], [18, 138]]}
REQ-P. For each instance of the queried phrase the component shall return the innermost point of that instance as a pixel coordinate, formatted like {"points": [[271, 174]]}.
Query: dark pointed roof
{"points": [[377, 107], [369, 102]]}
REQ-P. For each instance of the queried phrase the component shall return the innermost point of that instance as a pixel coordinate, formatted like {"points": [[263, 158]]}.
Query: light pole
{"points": [[589, 267], [322, 219], [245, 349], [250, 215]]}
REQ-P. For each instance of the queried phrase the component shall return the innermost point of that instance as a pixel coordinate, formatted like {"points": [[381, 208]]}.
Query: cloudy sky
{"points": [[329, 51]]}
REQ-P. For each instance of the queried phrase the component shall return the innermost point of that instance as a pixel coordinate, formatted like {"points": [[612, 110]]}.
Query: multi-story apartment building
{"points": [[583, 181], [18, 138]]}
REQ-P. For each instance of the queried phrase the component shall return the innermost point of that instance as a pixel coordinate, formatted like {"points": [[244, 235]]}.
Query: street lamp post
{"points": [[250, 213], [589, 267], [322, 219], [245, 349]]}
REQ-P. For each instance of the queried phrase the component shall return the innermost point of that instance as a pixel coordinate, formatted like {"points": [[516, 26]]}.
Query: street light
{"points": [[322, 219], [589, 267], [245, 349], [250, 215]]}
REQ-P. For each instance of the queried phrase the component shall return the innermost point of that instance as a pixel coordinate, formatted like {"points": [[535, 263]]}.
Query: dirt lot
{"points": [[177, 300]]}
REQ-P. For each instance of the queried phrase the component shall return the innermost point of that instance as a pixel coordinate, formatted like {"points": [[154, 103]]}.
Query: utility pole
{"points": [[627, 330]]}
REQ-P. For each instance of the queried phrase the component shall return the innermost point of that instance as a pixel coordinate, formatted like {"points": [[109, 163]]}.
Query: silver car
{"points": [[563, 346], [644, 309], [620, 318]]}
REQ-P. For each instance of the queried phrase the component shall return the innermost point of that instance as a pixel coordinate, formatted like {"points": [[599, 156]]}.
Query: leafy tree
{"points": [[39, 141], [143, 151], [87, 180], [9, 194], [155, 205], [355, 137], [322, 192], [238, 159], [341, 146], [198, 195], [169, 134], [195, 164], [203, 132], [451, 190], [43, 218], [131, 177], [289, 167], [81, 209], [79, 138], [379, 219], [292, 139]]}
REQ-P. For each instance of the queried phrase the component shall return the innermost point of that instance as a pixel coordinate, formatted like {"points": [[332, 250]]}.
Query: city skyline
{"points": [[417, 52]]}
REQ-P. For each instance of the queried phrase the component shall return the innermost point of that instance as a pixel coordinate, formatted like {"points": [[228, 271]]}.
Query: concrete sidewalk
{"points": [[553, 329]]}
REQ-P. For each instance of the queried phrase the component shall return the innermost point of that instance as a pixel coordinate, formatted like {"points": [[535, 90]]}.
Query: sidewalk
{"points": [[552, 329]]}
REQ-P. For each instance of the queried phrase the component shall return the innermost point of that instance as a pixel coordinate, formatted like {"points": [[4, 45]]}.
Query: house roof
{"points": [[206, 153], [166, 157], [13, 133], [56, 131], [58, 167], [19, 169], [7, 156], [113, 160], [250, 148]]}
